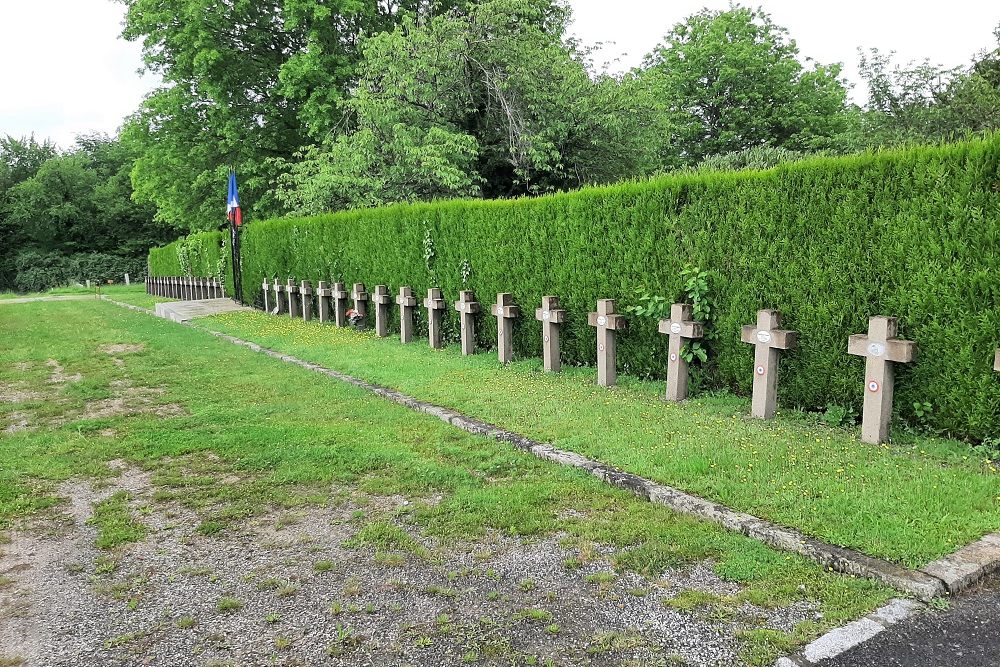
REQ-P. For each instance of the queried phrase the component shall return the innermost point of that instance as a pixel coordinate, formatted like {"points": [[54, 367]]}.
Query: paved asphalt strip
{"points": [[966, 635]]}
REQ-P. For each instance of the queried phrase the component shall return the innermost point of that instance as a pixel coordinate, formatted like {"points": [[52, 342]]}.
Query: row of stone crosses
{"points": [[880, 347]]}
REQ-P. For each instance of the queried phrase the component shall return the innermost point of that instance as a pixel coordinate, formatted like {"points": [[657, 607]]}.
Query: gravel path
{"points": [[289, 589]]}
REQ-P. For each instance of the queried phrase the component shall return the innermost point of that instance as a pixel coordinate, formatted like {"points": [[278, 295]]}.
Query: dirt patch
{"points": [[295, 588], [128, 401], [59, 376], [122, 348], [18, 392], [19, 421]]}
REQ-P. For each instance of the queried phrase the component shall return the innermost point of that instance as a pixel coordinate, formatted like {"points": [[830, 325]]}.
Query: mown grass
{"points": [[910, 502], [81, 290], [260, 434]]}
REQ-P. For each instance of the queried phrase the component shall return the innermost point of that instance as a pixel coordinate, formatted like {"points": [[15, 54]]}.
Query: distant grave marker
{"points": [[279, 299], [881, 350], [551, 316], [339, 298], [767, 340], [679, 327], [292, 288], [434, 303], [607, 322], [407, 303], [305, 289], [360, 297], [467, 307], [323, 294], [505, 311], [381, 299]]}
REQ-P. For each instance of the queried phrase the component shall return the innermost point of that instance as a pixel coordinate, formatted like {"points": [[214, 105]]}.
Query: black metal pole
{"points": [[236, 262]]}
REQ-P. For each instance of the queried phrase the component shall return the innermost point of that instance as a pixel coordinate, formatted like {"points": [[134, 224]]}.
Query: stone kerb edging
{"points": [[846, 637], [950, 574]]}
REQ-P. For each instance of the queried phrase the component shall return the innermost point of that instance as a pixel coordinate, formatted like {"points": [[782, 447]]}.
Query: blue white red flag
{"points": [[233, 211]]}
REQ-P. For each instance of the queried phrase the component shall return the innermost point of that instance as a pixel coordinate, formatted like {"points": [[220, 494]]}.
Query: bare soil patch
{"points": [[292, 588], [122, 348]]}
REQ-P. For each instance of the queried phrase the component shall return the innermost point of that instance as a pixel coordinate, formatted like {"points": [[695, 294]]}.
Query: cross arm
{"points": [[614, 321], [686, 329], [558, 316], [783, 339]]}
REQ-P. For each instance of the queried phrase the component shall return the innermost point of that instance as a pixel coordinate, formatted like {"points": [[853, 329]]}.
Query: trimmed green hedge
{"points": [[829, 241], [201, 254]]}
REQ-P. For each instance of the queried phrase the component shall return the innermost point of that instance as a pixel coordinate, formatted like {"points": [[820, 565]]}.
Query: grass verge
{"points": [[910, 502], [273, 435]]}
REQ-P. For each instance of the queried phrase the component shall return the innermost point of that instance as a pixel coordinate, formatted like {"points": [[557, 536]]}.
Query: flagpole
{"points": [[234, 245]]}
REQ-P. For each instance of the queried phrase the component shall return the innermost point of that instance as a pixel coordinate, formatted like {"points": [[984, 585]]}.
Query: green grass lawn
{"points": [[136, 296], [240, 433], [911, 502]]}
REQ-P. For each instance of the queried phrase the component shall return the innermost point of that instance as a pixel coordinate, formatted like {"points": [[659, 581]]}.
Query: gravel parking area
{"points": [[350, 584]]}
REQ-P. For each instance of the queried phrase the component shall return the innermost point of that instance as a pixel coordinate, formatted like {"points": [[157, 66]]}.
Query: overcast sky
{"points": [[64, 70]]}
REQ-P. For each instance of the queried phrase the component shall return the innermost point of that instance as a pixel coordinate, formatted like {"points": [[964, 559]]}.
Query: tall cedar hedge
{"points": [[829, 241]]}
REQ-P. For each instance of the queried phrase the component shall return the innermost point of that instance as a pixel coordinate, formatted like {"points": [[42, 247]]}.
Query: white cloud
{"points": [[948, 34], [64, 69]]}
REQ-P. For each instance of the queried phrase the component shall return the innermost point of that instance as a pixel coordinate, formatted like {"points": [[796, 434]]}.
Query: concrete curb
{"points": [[948, 575], [846, 637]]}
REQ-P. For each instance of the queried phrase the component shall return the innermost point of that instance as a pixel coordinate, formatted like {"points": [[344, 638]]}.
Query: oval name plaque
{"points": [[602, 321], [764, 336], [675, 328], [876, 349]]}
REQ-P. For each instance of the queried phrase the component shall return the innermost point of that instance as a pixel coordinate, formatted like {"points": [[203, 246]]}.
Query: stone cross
{"points": [[467, 306], [305, 289], [996, 361], [292, 288], [679, 327], [505, 311], [381, 300], [434, 303], [127, 282], [323, 293], [407, 302], [339, 298], [767, 339], [279, 299], [881, 350], [360, 297], [607, 322], [551, 316]]}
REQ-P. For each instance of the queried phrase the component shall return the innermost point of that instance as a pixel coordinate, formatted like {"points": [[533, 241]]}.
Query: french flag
{"points": [[233, 211]]}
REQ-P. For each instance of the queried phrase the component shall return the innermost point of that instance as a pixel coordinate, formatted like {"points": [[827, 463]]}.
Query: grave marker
{"points": [[679, 327], [323, 293], [996, 361], [767, 340], [434, 303], [292, 289], [360, 297], [339, 298], [551, 316], [881, 350], [127, 282], [467, 306], [279, 299], [607, 322], [267, 296], [381, 299], [305, 289], [505, 311], [407, 302]]}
